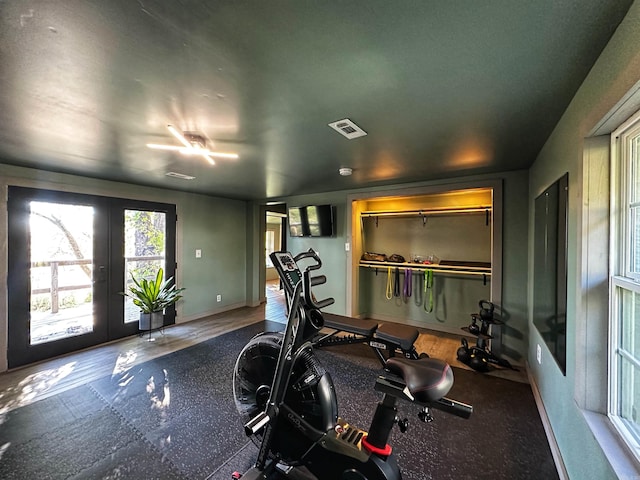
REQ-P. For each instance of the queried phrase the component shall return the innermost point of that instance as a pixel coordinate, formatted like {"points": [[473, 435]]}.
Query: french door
{"points": [[70, 257]]}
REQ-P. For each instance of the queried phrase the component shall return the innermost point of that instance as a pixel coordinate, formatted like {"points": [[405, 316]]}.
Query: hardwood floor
{"points": [[34, 382]]}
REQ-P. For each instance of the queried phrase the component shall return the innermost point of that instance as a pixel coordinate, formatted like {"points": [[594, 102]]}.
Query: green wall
{"points": [[614, 74], [331, 249], [218, 228]]}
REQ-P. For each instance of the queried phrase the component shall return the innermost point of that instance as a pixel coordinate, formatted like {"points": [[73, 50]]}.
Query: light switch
{"points": [[198, 253]]}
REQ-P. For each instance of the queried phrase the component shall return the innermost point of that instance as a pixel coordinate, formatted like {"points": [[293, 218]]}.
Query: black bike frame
{"points": [[293, 343], [290, 344]]}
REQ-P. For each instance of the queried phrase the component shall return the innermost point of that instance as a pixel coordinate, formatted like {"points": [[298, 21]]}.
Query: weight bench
{"points": [[390, 337]]}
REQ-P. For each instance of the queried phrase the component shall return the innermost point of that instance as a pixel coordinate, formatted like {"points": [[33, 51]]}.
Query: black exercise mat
{"points": [[168, 418], [503, 439], [174, 417]]}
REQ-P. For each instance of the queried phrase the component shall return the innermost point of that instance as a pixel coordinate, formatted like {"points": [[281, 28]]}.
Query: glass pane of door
{"points": [[144, 251], [61, 271]]}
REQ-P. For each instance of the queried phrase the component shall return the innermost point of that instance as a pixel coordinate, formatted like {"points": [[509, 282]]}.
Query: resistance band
{"points": [[389, 291], [408, 283], [396, 283], [418, 296], [428, 285]]}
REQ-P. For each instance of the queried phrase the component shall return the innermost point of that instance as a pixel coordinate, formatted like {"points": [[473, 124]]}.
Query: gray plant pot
{"points": [[151, 321]]}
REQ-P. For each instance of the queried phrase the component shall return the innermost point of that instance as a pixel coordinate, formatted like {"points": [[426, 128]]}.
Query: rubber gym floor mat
{"points": [[174, 418], [64, 435], [169, 418], [240, 461]]}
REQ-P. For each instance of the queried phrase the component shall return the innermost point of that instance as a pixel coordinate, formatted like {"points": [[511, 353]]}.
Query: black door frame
{"points": [[108, 271]]}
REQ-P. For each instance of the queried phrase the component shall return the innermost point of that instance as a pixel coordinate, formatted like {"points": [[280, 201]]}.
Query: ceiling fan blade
{"points": [[163, 147], [222, 154], [208, 159], [204, 151], [179, 136]]}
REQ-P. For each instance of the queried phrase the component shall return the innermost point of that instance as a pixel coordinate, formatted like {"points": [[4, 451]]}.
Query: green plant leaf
{"points": [[153, 295]]}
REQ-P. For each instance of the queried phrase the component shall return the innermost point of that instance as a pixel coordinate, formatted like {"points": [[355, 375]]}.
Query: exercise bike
{"points": [[289, 400]]}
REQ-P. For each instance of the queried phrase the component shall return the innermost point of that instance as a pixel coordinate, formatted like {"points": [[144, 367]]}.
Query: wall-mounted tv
{"points": [[312, 221]]}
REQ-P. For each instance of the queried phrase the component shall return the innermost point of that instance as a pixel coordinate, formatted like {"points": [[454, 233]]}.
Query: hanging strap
{"points": [[408, 283], [389, 290], [428, 286], [396, 283], [418, 296]]}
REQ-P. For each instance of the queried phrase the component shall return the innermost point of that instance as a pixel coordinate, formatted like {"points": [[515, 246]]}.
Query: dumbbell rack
{"points": [[492, 338]]}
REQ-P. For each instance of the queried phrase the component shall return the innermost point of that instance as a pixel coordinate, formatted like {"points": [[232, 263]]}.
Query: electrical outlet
{"points": [[539, 354], [219, 298]]}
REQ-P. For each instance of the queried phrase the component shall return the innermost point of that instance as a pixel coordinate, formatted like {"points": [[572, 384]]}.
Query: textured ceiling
{"points": [[443, 89]]}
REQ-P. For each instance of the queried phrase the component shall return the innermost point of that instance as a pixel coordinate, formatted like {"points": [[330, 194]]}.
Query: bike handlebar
{"points": [[311, 253], [309, 281], [319, 280]]}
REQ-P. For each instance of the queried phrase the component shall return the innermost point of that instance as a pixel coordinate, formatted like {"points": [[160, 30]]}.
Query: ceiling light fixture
{"points": [[345, 171], [192, 144]]}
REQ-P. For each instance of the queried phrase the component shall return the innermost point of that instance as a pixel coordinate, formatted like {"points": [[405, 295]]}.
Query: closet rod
{"points": [[418, 268], [424, 212]]}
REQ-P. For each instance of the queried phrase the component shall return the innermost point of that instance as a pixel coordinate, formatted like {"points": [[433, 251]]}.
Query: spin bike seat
{"points": [[428, 379]]}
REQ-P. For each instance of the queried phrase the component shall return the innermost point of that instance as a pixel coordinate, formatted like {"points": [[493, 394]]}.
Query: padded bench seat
{"points": [[404, 335], [349, 324], [395, 335]]}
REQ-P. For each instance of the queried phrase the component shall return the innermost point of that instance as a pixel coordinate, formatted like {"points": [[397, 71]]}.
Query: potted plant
{"points": [[152, 297]]}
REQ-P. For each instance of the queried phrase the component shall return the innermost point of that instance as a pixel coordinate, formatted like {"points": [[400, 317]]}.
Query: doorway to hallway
{"points": [[275, 308], [275, 225]]}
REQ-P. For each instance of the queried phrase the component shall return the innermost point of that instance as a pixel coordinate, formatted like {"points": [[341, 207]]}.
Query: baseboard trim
{"points": [[189, 318], [551, 438]]}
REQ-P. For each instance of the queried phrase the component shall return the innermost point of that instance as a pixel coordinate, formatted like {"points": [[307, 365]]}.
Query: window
{"points": [[624, 336]]}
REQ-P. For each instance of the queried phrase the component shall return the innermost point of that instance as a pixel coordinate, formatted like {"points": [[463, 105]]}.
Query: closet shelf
{"points": [[445, 266], [426, 211]]}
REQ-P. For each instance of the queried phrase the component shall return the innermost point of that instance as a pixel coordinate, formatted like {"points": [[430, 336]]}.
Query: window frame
{"points": [[621, 277]]}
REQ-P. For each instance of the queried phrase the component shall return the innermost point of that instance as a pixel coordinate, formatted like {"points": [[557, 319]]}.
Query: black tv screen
{"points": [[311, 221]]}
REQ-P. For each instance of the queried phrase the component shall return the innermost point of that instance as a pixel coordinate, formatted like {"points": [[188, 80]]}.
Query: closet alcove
{"points": [[457, 227]]}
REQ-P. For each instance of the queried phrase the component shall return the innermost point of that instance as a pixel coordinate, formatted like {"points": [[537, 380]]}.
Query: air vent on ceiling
{"points": [[347, 128], [179, 175]]}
